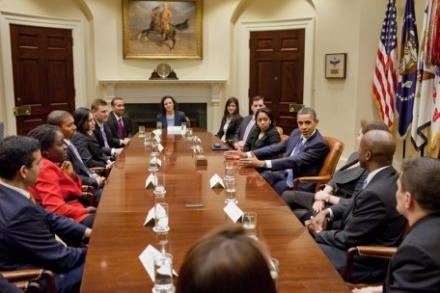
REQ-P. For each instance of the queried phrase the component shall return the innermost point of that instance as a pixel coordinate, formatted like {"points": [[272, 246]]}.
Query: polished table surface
{"points": [[119, 237]]}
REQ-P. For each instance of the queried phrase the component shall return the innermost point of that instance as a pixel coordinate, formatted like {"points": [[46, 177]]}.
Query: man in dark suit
{"points": [[369, 217], [304, 153], [118, 121], [64, 122], [415, 267], [102, 131], [247, 124], [27, 238]]}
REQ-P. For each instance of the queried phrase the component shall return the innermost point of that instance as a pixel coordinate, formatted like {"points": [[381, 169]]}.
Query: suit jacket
{"points": [[27, 237], [232, 127], [369, 217], [112, 141], [415, 267], [89, 149], [54, 187], [348, 181], [114, 128], [307, 162], [80, 170], [6, 287], [238, 136], [272, 136], [179, 117]]}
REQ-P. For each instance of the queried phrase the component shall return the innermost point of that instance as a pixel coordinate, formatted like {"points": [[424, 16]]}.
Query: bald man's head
{"points": [[376, 149]]}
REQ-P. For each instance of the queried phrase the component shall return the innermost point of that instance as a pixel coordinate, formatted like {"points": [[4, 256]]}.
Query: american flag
{"points": [[384, 80]]}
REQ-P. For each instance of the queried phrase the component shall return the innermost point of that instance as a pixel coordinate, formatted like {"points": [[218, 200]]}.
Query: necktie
{"points": [[248, 129], [104, 137], [121, 128], [82, 166], [295, 151], [365, 184]]}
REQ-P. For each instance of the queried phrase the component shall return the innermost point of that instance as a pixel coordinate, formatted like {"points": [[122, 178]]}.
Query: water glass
{"points": [[163, 273], [161, 218], [230, 191], [154, 144], [189, 132], [274, 271], [159, 124], [250, 224], [183, 127], [229, 169], [159, 182], [141, 131], [147, 140]]}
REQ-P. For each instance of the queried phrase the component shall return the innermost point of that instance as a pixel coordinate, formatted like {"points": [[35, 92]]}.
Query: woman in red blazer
{"points": [[58, 188]]}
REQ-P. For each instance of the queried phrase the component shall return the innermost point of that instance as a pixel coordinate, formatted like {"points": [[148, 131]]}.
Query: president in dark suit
{"points": [[415, 267], [304, 153], [118, 121], [27, 238], [369, 217], [247, 124]]}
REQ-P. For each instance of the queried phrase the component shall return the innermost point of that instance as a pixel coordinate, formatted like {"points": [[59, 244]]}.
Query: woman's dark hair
{"points": [[225, 260], [237, 108], [81, 119], [161, 106], [45, 134], [268, 112]]}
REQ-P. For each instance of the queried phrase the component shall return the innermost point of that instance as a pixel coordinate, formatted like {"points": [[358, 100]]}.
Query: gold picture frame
{"points": [[144, 34], [336, 65]]}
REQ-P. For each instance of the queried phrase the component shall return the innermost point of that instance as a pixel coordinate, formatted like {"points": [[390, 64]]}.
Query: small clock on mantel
{"points": [[163, 71]]}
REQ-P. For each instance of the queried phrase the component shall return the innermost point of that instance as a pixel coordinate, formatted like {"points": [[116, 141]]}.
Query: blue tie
{"points": [[365, 184], [295, 151]]}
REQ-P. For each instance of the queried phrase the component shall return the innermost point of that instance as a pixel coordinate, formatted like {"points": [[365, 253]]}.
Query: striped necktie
{"points": [[104, 137], [121, 128], [80, 161]]}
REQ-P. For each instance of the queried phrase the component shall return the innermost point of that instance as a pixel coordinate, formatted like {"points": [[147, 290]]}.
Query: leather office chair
{"points": [[188, 122], [383, 252], [328, 168], [280, 130], [26, 279], [88, 192]]}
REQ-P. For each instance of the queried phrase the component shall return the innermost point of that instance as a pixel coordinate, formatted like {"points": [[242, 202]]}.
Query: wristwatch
{"points": [[327, 199]]}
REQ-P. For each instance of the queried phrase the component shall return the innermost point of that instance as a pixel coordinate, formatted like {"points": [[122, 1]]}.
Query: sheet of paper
{"points": [[159, 162], [157, 138], [160, 147], [216, 181], [174, 129], [147, 259], [233, 211], [157, 132], [150, 216], [150, 180]]}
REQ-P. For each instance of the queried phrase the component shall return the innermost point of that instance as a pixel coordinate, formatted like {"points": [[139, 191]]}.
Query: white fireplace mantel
{"points": [[184, 91]]}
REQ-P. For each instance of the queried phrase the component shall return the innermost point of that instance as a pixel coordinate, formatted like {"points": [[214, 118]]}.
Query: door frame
{"points": [[246, 27], [7, 18]]}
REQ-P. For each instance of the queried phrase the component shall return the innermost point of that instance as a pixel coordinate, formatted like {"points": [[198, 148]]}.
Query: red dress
{"points": [[52, 189]]}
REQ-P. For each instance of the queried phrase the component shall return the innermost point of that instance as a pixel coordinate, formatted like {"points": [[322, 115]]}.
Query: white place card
{"points": [[160, 147], [147, 259], [233, 211], [157, 138], [216, 182], [174, 129], [157, 132], [159, 162], [150, 182], [153, 161], [150, 216]]}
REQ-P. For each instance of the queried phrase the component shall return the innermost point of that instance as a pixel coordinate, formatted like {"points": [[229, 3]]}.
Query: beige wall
{"points": [[341, 26]]}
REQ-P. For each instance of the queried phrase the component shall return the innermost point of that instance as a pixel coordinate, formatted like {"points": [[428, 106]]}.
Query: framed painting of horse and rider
{"points": [[162, 29]]}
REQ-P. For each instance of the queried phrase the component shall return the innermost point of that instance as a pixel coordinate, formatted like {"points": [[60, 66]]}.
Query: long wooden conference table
{"points": [[119, 237]]}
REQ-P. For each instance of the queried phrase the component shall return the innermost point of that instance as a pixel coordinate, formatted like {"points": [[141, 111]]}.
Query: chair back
{"points": [[336, 147], [188, 122], [279, 129]]}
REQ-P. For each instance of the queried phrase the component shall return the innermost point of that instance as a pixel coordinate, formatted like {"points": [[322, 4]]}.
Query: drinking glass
{"points": [[250, 224], [183, 127], [141, 131], [159, 125], [161, 218], [273, 267], [163, 273], [230, 191], [154, 144], [147, 140], [159, 178], [229, 169]]}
